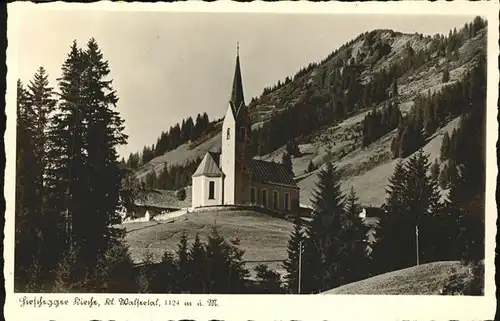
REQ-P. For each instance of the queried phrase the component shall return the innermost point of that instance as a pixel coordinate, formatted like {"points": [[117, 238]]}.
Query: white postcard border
{"points": [[246, 307]]}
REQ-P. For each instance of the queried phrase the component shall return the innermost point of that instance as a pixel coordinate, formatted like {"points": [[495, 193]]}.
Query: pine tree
{"points": [[424, 205], [394, 87], [435, 169], [65, 175], [35, 106], [291, 265], [287, 161], [84, 178], [354, 237], [115, 270], [394, 207], [27, 238], [166, 278], [42, 104], [446, 74], [311, 166], [445, 147], [104, 131], [444, 178], [322, 245], [269, 281], [225, 266], [197, 265], [182, 261]]}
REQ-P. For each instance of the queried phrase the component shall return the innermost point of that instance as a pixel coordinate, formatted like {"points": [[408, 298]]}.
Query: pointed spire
{"points": [[237, 98]]}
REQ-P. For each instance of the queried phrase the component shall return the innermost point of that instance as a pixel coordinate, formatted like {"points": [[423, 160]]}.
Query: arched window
{"points": [[287, 202], [228, 134], [211, 190], [275, 200]]}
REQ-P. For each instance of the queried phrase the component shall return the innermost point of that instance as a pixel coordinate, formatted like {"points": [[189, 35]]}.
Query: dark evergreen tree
{"points": [[84, 178], [311, 167], [225, 267], [424, 205], [394, 87], [182, 262], [445, 147], [286, 159], [104, 131], [355, 245], [66, 188], [269, 281], [291, 265], [198, 282], [165, 279], [446, 73], [322, 262], [444, 178], [28, 269], [394, 207], [435, 169]]}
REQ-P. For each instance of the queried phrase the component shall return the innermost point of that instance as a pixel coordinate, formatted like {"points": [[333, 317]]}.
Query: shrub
{"points": [[181, 194]]}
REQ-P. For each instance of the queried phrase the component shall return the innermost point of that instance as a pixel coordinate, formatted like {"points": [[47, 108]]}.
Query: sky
{"points": [[167, 66]]}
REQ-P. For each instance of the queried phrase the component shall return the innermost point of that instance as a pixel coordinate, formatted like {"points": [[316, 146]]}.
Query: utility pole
{"points": [[416, 237], [300, 265]]}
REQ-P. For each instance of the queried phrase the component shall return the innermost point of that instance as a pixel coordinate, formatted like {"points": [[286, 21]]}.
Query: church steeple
{"points": [[237, 98]]}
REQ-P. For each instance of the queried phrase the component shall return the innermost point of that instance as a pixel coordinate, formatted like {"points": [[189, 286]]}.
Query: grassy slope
{"points": [[370, 185], [425, 279], [261, 236]]}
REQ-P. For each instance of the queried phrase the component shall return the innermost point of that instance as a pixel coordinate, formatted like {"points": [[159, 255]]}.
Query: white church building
{"points": [[228, 178]]}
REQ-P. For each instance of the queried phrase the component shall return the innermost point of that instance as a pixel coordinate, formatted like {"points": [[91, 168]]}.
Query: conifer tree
{"points": [[424, 204], [287, 161], [27, 239], [322, 246], [291, 265], [446, 74], [394, 87], [84, 178], [225, 266], [354, 237], [104, 133], [35, 106], [268, 280], [435, 168], [66, 188], [166, 278], [42, 104], [182, 261], [444, 176], [311, 166], [394, 207], [197, 265], [445, 147]]}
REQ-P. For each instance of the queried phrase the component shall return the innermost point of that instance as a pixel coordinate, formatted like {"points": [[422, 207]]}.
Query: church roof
{"points": [[237, 98], [271, 173], [209, 166]]}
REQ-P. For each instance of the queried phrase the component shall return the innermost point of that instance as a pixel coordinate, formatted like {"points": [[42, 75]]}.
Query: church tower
{"points": [[234, 139]]}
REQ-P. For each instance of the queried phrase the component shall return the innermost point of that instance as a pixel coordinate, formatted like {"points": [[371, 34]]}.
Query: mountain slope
{"points": [[425, 279], [418, 62]]}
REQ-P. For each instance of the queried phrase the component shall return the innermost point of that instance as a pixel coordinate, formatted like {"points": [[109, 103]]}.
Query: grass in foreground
{"points": [[261, 236], [425, 279]]}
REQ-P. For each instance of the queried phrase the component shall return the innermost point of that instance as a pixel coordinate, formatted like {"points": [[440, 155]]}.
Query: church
{"points": [[228, 178]]}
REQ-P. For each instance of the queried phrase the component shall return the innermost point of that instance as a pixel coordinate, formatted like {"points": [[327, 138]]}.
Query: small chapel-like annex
{"points": [[228, 178]]}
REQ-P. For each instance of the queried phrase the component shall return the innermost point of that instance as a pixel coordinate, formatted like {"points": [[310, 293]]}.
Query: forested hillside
{"points": [[361, 106]]}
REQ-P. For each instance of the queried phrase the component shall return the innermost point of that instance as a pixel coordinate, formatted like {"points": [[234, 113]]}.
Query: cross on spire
{"points": [[237, 98]]}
